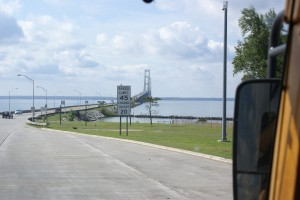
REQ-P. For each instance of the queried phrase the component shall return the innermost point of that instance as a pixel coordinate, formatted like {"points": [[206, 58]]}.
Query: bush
{"points": [[107, 112], [71, 115]]}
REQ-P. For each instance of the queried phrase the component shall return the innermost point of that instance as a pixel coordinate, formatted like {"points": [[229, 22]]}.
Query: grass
{"points": [[198, 138]]}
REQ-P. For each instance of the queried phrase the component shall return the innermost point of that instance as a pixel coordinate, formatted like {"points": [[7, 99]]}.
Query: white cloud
{"points": [[10, 31], [49, 46], [214, 46], [178, 39], [41, 29], [10, 6], [99, 45], [101, 38], [79, 63], [119, 42], [180, 32], [126, 44], [27, 27], [129, 69]]}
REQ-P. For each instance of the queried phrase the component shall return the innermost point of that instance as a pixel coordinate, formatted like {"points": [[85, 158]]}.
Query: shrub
{"points": [[107, 112], [71, 115]]}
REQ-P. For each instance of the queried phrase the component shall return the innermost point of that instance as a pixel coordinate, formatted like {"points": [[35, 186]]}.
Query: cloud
{"points": [[48, 46], [101, 39], [127, 43], [76, 62], [127, 73], [102, 44], [10, 31], [47, 30], [9, 7], [178, 39], [119, 42], [214, 46], [182, 41]]}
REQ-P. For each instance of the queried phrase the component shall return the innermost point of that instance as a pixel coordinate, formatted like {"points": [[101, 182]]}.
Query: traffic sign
{"points": [[123, 99]]}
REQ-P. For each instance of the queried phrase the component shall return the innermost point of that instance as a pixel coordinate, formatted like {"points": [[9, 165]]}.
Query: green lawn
{"points": [[198, 138]]}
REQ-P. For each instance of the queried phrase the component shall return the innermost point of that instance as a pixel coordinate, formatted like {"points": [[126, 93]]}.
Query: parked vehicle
{"points": [[18, 112], [7, 115]]}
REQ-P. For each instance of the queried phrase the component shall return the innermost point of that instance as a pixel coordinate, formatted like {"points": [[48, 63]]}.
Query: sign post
{"points": [[63, 103], [124, 102], [85, 117]]}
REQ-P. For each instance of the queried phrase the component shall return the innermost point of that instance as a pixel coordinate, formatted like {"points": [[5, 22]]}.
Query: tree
{"points": [[71, 115], [152, 103], [252, 53]]}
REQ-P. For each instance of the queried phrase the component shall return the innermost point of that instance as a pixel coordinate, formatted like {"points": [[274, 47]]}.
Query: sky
{"points": [[92, 46]]}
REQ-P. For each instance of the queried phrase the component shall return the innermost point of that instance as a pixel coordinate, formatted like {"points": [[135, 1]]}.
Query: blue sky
{"points": [[94, 45]]}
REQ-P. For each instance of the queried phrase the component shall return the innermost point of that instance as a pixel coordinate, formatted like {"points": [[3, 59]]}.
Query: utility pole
{"points": [[224, 139]]}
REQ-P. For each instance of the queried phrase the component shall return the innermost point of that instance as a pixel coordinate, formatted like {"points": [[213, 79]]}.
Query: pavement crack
{"points": [[6, 138]]}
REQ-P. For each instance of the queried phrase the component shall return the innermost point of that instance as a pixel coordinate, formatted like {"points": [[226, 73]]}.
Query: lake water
{"points": [[195, 108], [26, 103]]}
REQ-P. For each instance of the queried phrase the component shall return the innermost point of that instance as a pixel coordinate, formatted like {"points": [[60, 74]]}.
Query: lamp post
{"points": [[46, 105], [225, 7], [32, 81], [85, 117], [9, 98], [79, 96]]}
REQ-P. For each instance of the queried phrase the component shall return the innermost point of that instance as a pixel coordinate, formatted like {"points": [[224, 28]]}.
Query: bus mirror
{"points": [[255, 118]]}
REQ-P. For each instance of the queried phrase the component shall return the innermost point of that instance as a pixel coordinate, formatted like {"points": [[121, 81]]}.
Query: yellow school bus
{"points": [[266, 141], [285, 179]]}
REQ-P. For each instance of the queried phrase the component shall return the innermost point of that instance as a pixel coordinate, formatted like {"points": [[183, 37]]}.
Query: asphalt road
{"points": [[40, 164]]}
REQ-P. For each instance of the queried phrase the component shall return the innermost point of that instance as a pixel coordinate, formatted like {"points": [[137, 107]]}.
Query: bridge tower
{"points": [[147, 83], [147, 88]]}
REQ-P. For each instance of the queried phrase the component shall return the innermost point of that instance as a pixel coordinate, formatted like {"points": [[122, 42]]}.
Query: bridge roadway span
{"points": [[41, 164]]}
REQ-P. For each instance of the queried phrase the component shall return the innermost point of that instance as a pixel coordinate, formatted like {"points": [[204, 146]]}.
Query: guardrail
{"points": [[51, 111]]}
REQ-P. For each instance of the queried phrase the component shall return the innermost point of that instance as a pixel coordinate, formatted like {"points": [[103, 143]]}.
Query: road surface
{"points": [[41, 164]]}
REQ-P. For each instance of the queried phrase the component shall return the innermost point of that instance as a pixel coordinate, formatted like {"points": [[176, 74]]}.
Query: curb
{"points": [[216, 158]]}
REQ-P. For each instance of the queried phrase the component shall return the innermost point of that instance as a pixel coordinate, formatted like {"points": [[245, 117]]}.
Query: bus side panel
{"points": [[284, 184]]}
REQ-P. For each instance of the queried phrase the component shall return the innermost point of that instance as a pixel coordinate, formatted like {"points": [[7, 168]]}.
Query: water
{"points": [[25, 103], [195, 108]]}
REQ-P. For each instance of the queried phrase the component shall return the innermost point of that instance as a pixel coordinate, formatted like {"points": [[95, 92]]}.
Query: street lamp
{"points": [[79, 96], [225, 7], [46, 105], [32, 81], [9, 98]]}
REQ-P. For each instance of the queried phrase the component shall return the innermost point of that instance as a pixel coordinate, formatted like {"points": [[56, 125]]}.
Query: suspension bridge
{"points": [[139, 98]]}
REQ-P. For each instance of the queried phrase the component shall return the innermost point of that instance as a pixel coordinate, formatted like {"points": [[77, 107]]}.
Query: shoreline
{"points": [[182, 117]]}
